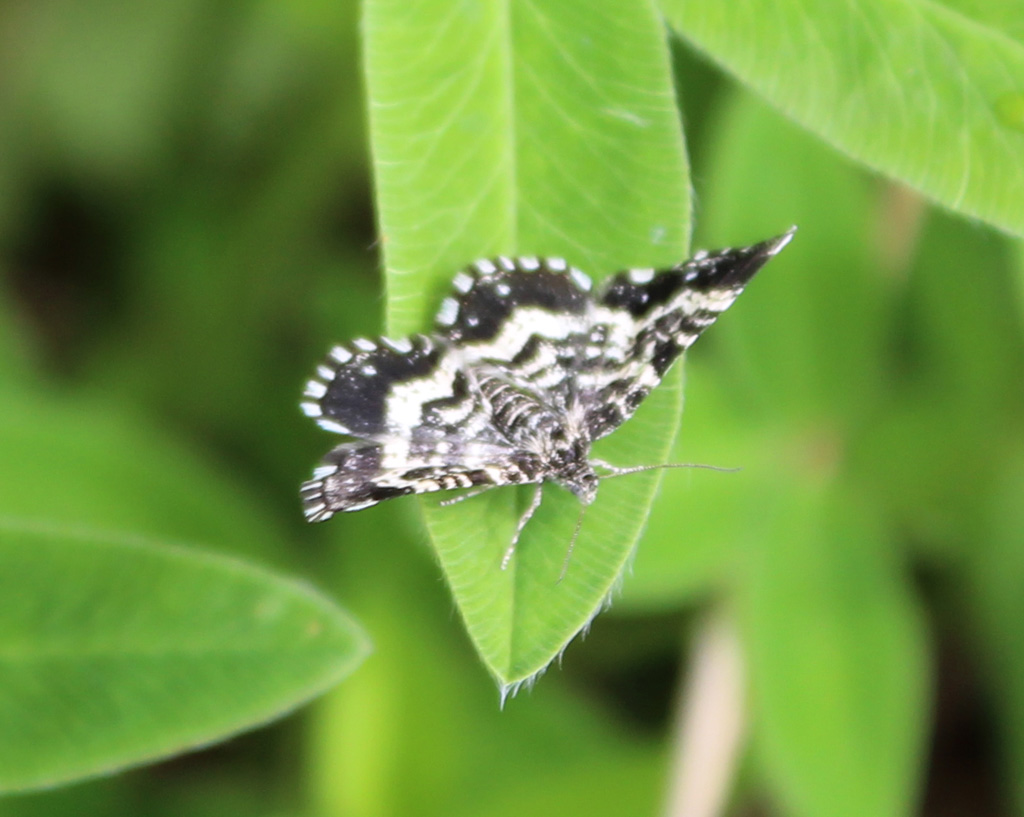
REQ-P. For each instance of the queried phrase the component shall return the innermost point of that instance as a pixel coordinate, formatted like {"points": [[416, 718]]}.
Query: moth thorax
{"points": [[516, 414]]}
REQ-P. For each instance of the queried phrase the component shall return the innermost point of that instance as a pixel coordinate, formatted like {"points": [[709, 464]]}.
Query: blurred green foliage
{"points": [[187, 223]]}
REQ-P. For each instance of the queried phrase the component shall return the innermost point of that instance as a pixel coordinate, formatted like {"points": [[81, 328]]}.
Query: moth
{"points": [[528, 364]]}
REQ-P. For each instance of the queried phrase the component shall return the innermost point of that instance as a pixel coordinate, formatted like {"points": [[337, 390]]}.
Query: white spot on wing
{"points": [[448, 312], [364, 344], [323, 471], [331, 425], [311, 409], [641, 276], [341, 354], [368, 370], [463, 282], [402, 345], [530, 262], [557, 264], [315, 389], [314, 511], [506, 263], [581, 278], [485, 266], [326, 372], [504, 290]]}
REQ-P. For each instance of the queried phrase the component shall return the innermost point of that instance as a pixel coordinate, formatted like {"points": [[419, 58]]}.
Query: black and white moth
{"points": [[526, 367]]}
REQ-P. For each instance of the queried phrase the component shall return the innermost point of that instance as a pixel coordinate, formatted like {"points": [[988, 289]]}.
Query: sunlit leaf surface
{"points": [[505, 128], [930, 94]]}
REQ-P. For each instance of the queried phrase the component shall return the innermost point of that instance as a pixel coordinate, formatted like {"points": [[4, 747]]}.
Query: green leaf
{"points": [[514, 128], [89, 462], [116, 652], [928, 94], [838, 661]]}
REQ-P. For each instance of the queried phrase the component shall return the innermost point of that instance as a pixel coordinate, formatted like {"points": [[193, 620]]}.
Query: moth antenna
{"points": [[621, 472], [538, 494], [572, 544]]}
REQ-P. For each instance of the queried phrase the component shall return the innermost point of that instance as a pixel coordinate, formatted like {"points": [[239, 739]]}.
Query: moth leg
{"points": [[455, 500], [538, 493]]}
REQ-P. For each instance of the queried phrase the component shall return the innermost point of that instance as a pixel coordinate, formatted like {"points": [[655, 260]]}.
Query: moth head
{"points": [[583, 485]]}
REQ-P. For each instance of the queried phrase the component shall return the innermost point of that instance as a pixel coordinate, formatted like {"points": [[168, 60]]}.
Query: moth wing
{"points": [[357, 475], [528, 320], [415, 388], [652, 317]]}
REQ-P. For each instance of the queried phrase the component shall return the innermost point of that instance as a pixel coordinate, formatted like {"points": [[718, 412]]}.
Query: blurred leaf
{"points": [[701, 518], [283, 62], [838, 658], [798, 361], [917, 459], [996, 577], [920, 91], [966, 341], [613, 783], [233, 241], [99, 79], [1017, 257], [88, 462], [98, 797], [807, 336], [221, 296], [955, 397], [14, 352], [506, 128], [116, 653]]}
